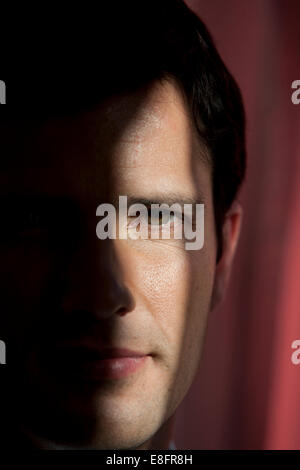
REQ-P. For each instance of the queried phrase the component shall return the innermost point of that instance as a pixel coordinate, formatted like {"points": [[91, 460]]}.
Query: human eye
{"points": [[21, 224], [152, 217], [25, 220], [162, 223], [31, 221], [160, 218]]}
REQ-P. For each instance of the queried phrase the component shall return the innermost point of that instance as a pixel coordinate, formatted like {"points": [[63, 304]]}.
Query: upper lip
{"points": [[102, 352]]}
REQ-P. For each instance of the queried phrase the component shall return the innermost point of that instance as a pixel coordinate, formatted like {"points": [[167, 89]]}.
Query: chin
{"points": [[121, 435]]}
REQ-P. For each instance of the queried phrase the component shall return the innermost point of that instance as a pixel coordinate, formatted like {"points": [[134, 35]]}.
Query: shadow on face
{"points": [[66, 295]]}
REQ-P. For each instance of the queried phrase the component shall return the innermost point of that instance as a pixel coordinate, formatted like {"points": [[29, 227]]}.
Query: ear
{"points": [[231, 232]]}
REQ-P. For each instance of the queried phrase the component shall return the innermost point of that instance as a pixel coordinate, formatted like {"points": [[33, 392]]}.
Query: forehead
{"points": [[138, 138]]}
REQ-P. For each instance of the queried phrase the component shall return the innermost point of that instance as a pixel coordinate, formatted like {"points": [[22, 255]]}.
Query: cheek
{"points": [[163, 282], [202, 268], [175, 288], [24, 276]]}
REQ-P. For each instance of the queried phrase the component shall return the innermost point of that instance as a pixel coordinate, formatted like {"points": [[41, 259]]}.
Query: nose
{"points": [[93, 280]]}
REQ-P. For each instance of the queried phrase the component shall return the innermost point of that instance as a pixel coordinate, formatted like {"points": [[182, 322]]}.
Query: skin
{"points": [[147, 295]]}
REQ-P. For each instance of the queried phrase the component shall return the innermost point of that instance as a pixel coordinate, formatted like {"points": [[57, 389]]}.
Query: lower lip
{"points": [[99, 369], [112, 368]]}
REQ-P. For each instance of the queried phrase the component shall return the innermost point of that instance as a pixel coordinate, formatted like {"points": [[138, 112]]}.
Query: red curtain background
{"points": [[246, 393]]}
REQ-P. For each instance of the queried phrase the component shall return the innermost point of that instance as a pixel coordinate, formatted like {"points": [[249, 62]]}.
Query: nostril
{"points": [[122, 311]]}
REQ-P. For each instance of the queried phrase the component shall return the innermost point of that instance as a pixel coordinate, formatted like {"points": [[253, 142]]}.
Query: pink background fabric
{"points": [[246, 395]]}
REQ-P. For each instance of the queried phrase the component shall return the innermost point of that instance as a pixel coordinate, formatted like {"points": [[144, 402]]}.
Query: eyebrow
{"points": [[63, 204], [166, 198], [50, 205]]}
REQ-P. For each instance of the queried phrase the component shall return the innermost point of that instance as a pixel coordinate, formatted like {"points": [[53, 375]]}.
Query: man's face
{"points": [[60, 284]]}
